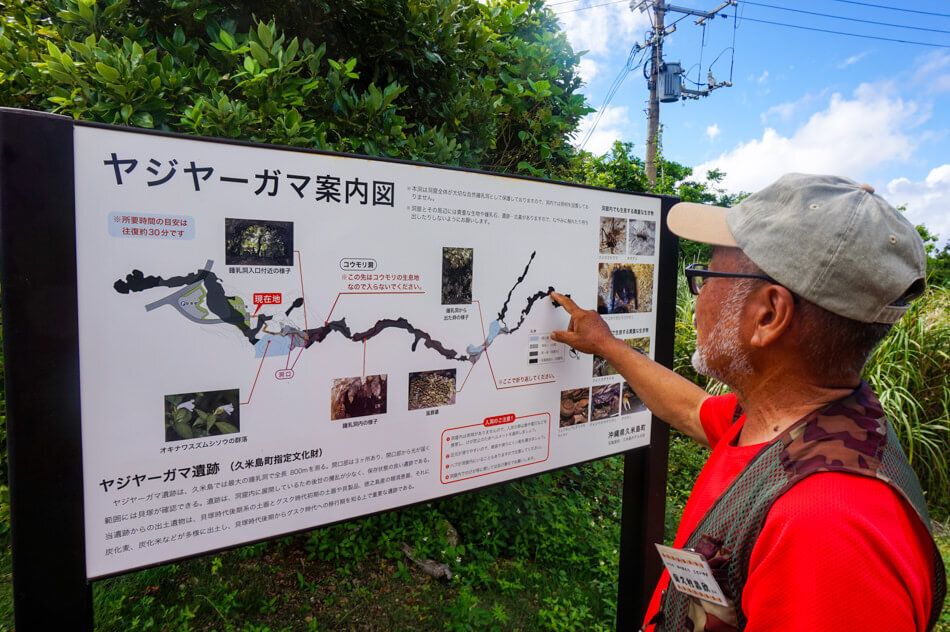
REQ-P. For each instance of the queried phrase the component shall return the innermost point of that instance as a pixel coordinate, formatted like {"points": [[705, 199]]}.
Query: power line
{"points": [[618, 81], [628, 66], [882, 6], [849, 19], [590, 7], [810, 28], [854, 2], [554, 4], [603, 108], [735, 26]]}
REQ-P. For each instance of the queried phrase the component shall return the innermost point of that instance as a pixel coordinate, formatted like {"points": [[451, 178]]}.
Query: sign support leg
{"points": [[644, 479], [41, 349]]}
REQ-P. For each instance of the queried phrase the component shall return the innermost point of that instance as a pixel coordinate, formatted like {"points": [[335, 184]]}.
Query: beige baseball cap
{"points": [[830, 240]]}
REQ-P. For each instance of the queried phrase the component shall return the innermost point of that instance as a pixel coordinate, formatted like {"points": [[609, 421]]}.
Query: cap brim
{"points": [[701, 222]]}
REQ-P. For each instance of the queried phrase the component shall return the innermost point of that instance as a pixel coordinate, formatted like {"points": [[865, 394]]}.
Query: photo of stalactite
{"points": [[358, 397], [630, 401], [624, 288], [429, 389], [574, 407], [602, 368], [457, 275], [613, 234], [605, 401], [258, 242], [641, 239]]}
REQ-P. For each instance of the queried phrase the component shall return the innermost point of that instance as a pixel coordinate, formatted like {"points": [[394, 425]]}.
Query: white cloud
{"points": [[614, 125], [763, 77], [933, 72], [928, 202], [784, 112], [941, 84], [850, 138], [588, 69], [713, 131], [853, 59], [603, 29]]}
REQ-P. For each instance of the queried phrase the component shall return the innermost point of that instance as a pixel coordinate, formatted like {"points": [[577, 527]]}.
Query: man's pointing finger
{"points": [[566, 302]]}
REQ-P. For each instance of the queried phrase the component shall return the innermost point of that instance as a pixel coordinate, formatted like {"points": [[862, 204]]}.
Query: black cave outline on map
{"points": [[220, 305]]}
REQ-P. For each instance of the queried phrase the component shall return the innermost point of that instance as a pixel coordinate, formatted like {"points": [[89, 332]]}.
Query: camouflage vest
{"points": [[851, 435]]}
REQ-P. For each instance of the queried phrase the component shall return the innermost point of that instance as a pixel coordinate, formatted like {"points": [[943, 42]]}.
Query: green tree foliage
{"points": [[621, 169], [445, 81], [617, 169], [938, 260]]}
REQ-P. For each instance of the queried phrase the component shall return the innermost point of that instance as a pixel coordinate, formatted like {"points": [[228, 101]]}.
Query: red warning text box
{"points": [[481, 449]]}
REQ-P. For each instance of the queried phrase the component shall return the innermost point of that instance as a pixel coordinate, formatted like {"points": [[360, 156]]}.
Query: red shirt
{"points": [[837, 551]]}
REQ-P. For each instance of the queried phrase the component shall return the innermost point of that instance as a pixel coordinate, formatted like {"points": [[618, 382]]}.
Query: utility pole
{"points": [[664, 79], [653, 116]]}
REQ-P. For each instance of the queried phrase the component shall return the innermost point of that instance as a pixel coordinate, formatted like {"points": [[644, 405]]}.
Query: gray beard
{"points": [[722, 347]]}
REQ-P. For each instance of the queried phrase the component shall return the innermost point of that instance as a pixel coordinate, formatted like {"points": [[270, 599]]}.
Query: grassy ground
{"points": [[278, 588], [275, 587]]}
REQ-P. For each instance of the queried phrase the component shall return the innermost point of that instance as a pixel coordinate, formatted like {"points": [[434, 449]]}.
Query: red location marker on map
{"points": [[272, 298]]}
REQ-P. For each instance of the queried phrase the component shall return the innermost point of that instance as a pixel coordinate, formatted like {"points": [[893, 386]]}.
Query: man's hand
{"points": [[671, 397], [587, 331]]}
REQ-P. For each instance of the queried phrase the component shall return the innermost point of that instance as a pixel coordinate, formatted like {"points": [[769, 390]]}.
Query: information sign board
{"points": [[271, 339]]}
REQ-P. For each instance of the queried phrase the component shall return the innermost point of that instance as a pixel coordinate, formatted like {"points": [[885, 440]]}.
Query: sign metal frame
{"points": [[41, 347]]}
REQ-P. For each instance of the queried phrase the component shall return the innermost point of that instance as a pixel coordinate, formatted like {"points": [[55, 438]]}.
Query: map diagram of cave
{"points": [[201, 298]]}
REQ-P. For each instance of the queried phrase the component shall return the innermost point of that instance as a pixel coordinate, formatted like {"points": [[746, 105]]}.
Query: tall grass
{"points": [[909, 371]]}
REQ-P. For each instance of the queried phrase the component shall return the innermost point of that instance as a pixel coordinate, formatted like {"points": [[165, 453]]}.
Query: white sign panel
{"points": [[273, 340]]}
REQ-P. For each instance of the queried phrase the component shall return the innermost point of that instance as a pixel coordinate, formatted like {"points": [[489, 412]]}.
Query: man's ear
{"points": [[772, 307]]}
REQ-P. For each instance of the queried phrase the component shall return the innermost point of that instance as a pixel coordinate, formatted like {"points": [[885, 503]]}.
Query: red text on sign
{"points": [[499, 419], [267, 298]]}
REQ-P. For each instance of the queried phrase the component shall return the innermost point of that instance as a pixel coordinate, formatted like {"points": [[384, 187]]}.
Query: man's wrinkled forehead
{"points": [[728, 259]]}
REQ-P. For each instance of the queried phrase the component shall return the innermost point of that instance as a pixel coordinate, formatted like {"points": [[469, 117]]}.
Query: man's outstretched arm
{"points": [[672, 398]]}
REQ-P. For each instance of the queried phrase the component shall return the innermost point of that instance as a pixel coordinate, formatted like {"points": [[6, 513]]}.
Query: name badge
{"points": [[690, 574]]}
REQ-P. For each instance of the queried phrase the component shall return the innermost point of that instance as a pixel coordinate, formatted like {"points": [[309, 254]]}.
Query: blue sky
{"points": [[872, 110]]}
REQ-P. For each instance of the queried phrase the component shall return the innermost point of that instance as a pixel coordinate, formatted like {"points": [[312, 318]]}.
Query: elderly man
{"points": [[806, 510]]}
